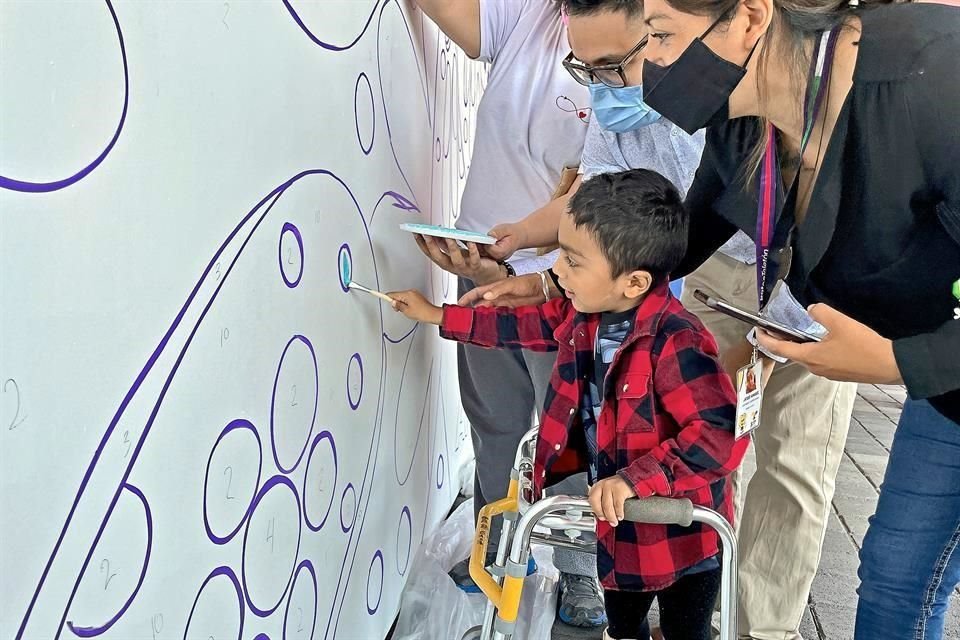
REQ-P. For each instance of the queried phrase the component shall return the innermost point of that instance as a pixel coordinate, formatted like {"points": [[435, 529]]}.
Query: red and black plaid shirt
{"points": [[666, 426]]}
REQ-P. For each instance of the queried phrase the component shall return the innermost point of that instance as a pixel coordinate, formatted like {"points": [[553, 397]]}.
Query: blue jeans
{"points": [[910, 560]]}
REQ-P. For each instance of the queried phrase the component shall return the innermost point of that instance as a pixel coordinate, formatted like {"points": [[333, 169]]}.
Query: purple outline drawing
{"points": [[273, 403], [44, 187], [235, 424], [92, 632], [343, 500], [406, 557], [345, 276], [372, 610], [174, 335], [326, 45], [356, 114], [219, 571], [288, 226], [354, 404], [269, 484], [305, 564], [323, 435]]}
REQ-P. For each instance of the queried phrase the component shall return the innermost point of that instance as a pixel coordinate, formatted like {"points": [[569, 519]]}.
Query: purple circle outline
{"points": [[288, 226], [269, 484], [262, 636], [240, 423], [219, 571], [377, 554], [333, 446], [355, 405], [44, 187], [91, 632], [406, 564], [343, 525], [356, 114], [273, 399], [304, 564], [344, 248], [441, 469]]}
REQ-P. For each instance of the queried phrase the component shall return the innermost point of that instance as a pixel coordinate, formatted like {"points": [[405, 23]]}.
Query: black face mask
{"points": [[694, 91]]}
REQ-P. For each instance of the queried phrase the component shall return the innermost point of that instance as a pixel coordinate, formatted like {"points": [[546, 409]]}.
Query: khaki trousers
{"points": [[782, 512]]}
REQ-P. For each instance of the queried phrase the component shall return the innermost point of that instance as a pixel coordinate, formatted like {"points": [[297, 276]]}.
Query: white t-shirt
{"points": [[531, 120]]}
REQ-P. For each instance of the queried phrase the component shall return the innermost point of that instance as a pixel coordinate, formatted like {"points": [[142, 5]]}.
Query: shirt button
{"points": [[543, 474], [572, 411], [571, 342], [557, 447], [625, 387]]}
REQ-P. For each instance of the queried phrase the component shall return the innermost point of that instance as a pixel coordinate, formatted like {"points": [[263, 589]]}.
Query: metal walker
{"points": [[502, 584]]}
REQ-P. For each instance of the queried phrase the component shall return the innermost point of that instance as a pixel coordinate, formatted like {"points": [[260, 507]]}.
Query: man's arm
{"points": [[458, 19], [539, 229]]}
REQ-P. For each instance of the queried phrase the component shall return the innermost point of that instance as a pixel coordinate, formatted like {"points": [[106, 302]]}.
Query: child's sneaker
{"points": [[581, 602]]}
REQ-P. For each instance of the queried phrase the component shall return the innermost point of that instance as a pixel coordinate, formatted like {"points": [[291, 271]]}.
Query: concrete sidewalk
{"points": [[830, 613]]}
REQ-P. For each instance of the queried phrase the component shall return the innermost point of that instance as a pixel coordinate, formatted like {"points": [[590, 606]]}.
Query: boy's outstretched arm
{"points": [[528, 327], [691, 385], [412, 304]]}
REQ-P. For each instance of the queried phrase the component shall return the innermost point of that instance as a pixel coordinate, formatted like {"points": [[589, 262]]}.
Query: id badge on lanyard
{"points": [[749, 385]]}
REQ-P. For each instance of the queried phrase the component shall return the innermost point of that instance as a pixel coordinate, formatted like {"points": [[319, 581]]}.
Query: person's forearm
{"points": [[540, 227]]}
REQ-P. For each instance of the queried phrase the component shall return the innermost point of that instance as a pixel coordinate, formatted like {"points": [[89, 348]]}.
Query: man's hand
{"points": [[607, 497], [466, 263], [510, 237], [412, 304], [513, 292]]}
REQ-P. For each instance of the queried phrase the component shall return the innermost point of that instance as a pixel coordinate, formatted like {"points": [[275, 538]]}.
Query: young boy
{"points": [[637, 397]]}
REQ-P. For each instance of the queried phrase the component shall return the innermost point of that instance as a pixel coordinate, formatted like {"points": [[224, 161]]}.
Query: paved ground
{"points": [[830, 613]]}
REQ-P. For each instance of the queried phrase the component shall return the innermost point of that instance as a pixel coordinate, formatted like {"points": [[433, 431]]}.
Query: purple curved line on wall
{"points": [[273, 401], [235, 424], [306, 473], [343, 525], [45, 187], [269, 484], [356, 114], [372, 610], [275, 194], [355, 404], [92, 632], [396, 419], [287, 226], [305, 564], [327, 45], [219, 571], [383, 100]]}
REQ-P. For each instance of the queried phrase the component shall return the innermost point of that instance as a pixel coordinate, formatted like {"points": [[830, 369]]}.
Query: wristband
{"points": [[543, 284]]}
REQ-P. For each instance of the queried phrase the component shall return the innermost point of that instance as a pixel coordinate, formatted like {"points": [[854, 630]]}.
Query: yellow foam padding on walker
{"points": [[478, 555], [510, 599]]}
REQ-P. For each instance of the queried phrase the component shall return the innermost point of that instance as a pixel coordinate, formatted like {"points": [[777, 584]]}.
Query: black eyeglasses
{"points": [[611, 75]]}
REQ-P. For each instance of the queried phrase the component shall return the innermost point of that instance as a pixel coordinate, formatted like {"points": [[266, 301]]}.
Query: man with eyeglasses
{"points": [[607, 38], [782, 517]]}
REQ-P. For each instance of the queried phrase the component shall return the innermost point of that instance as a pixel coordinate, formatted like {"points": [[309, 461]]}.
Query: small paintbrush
{"points": [[377, 294]]}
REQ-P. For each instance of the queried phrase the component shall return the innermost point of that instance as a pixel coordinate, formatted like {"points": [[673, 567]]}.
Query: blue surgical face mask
{"points": [[622, 109]]}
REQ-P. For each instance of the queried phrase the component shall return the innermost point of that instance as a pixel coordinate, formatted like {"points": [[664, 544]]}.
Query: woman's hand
{"points": [[513, 292], [466, 263], [851, 351]]}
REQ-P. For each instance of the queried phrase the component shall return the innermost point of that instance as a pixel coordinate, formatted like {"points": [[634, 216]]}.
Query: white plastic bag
{"points": [[432, 607]]}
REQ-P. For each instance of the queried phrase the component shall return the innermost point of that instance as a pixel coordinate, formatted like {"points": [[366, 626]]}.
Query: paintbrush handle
{"points": [[376, 294]]}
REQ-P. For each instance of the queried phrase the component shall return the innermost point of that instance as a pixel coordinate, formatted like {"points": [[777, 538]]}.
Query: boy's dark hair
{"points": [[632, 8], [637, 218]]}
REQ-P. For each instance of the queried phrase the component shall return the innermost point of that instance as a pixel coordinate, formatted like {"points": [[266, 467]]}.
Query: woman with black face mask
{"points": [[834, 141]]}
